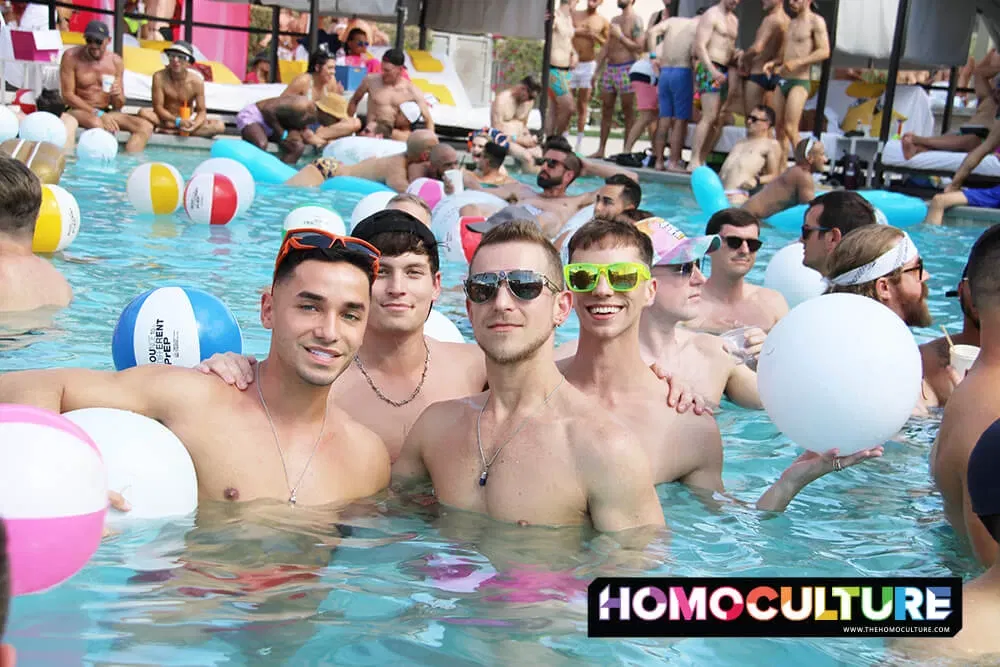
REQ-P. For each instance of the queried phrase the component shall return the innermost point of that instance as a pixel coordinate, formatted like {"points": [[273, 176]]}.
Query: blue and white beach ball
{"points": [[179, 326]]}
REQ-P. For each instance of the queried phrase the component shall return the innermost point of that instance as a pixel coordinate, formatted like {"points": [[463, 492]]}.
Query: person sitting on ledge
{"points": [[179, 97]]}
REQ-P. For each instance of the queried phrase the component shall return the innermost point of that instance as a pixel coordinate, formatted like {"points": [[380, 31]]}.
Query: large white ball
{"points": [[370, 205], [241, 177], [439, 327], [316, 217], [146, 463], [8, 124], [787, 274], [43, 126], [840, 370], [96, 145]]}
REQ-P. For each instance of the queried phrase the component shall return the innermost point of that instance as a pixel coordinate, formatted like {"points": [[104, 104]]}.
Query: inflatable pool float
{"points": [[899, 210], [45, 160], [352, 150], [457, 242], [579, 219]]}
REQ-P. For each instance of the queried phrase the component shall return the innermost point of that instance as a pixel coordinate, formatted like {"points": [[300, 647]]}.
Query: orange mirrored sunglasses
{"points": [[308, 238]]}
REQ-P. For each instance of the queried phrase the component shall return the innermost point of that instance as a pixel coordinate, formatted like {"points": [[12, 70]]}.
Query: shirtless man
{"points": [[590, 34], [284, 120], [727, 300], [768, 43], [284, 442], [319, 82], [806, 44], [608, 366], [412, 204], [27, 282], [618, 195], [829, 218], [975, 403], [91, 81], [616, 58], [714, 49], [936, 355], [509, 114], [396, 171], [489, 163], [562, 61], [175, 87], [388, 90], [545, 454], [675, 88], [794, 185], [753, 162]]}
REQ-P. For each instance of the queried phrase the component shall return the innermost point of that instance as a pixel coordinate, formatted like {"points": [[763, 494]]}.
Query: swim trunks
{"points": [[983, 197], [327, 167], [645, 96], [975, 130], [768, 83], [583, 74], [703, 80], [251, 115], [786, 85], [615, 79], [559, 80], [676, 92]]}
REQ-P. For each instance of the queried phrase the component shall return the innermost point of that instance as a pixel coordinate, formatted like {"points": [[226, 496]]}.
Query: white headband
{"points": [[903, 252], [810, 142]]}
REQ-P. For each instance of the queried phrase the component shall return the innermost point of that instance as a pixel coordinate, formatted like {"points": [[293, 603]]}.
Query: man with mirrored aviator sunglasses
{"points": [[533, 449], [284, 441], [728, 301]]}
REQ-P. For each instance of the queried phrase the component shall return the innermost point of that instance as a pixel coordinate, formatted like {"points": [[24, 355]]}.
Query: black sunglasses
{"points": [[94, 41], [919, 268], [686, 269], [758, 119], [549, 162], [807, 230], [525, 285], [735, 242]]}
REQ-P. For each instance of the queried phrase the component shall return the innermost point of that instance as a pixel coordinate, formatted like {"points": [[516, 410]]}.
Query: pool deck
{"points": [[960, 215]]}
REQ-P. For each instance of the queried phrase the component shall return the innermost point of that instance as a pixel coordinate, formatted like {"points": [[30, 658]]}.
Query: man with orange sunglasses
{"points": [[285, 441]]}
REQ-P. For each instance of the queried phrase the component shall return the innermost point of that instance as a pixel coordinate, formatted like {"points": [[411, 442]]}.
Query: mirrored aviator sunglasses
{"points": [[686, 269], [621, 276], [524, 285], [310, 239]]}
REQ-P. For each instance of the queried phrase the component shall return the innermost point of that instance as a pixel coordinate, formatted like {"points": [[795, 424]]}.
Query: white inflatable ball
{"points": [[146, 463], [241, 177], [316, 217], [429, 189], [96, 145], [8, 124], [440, 328], [43, 126], [785, 273], [370, 205], [840, 370]]}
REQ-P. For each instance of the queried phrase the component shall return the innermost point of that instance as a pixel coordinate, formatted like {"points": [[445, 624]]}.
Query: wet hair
{"points": [[20, 197], [495, 154], [614, 234], [634, 215], [524, 231], [769, 112], [984, 270], [337, 253], [5, 584], [735, 217], [50, 100], [394, 57], [845, 210], [533, 86], [560, 143], [317, 60], [631, 192], [856, 249]]}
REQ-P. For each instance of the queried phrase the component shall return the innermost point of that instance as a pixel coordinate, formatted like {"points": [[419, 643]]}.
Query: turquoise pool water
{"points": [[391, 584]]}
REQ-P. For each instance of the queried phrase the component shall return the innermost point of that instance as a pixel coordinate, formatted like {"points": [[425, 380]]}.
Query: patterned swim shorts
{"points": [[615, 79]]}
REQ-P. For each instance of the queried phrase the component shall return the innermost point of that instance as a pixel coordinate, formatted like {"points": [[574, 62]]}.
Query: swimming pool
{"points": [[390, 584]]}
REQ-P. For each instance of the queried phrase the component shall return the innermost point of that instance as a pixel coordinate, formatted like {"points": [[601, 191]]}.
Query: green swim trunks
{"points": [[703, 80], [559, 78], [786, 85]]}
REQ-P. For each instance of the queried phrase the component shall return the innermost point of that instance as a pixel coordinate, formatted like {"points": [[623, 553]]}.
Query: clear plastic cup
{"points": [[735, 341], [962, 358], [107, 80], [454, 176]]}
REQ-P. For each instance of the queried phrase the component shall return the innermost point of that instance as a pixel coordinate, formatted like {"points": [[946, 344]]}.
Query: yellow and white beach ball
{"points": [[58, 220], [155, 187]]}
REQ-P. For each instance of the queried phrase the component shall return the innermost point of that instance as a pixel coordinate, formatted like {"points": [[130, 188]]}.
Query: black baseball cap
{"points": [[392, 220], [97, 30]]}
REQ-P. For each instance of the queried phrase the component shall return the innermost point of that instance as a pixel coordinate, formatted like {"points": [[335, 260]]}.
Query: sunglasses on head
{"points": [[807, 230], [523, 284], [735, 242], [686, 269], [311, 239], [621, 276]]}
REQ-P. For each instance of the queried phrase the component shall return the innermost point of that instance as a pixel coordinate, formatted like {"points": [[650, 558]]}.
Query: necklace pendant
{"points": [[483, 477], [292, 499]]}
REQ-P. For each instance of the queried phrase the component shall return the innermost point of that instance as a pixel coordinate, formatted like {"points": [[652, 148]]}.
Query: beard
{"points": [[547, 182], [508, 357], [918, 314]]}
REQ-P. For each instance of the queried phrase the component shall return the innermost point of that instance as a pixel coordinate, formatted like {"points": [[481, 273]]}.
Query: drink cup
{"points": [[962, 358], [454, 176], [107, 80], [735, 341]]}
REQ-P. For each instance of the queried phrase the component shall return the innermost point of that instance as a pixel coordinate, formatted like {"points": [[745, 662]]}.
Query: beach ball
{"points": [[428, 189], [25, 100], [8, 124], [58, 220], [155, 187], [440, 328], [211, 198], [178, 326], [96, 145], [840, 370], [316, 217], [43, 126], [370, 205], [53, 496], [787, 274], [241, 177], [145, 462]]}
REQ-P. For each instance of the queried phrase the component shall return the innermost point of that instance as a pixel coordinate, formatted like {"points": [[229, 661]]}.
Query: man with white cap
{"points": [[179, 97]]}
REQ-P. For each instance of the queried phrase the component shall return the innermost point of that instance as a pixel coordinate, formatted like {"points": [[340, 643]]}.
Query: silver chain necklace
{"points": [[292, 490], [479, 438], [383, 397]]}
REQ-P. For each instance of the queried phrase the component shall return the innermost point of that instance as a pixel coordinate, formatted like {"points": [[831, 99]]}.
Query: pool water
{"points": [[398, 580]]}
